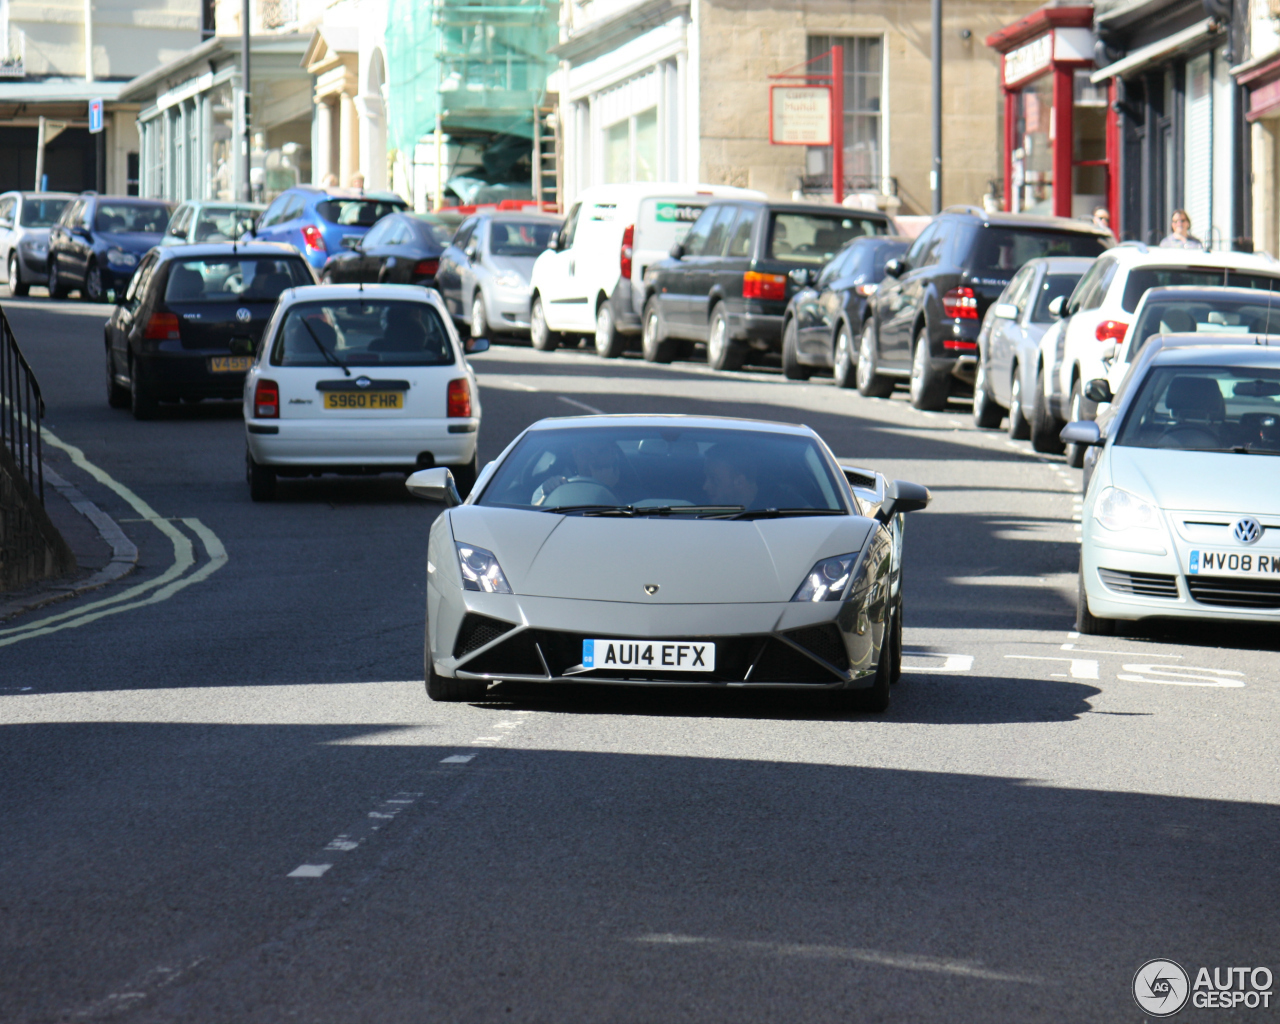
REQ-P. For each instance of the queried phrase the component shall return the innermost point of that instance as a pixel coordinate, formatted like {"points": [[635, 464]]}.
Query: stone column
{"points": [[323, 156], [349, 145]]}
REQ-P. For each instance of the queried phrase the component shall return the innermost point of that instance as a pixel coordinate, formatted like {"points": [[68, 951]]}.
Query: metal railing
{"points": [[817, 184], [21, 409]]}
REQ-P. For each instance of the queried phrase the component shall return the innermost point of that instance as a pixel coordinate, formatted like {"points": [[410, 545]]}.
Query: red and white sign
{"points": [[800, 115]]}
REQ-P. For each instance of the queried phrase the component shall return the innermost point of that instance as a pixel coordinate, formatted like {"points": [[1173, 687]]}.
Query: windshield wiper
{"points": [[1239, 449], [714, 511], [782, 513], [599, 510], [329, 356]]}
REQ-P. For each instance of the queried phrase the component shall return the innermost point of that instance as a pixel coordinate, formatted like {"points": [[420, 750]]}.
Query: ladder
{"points": [[548, 154]]}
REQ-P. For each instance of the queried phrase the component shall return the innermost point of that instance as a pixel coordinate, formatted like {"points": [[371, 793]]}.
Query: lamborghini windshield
{"points": [[663, 470]]}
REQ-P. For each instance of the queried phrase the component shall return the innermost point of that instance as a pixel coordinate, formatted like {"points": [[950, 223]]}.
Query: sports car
{"points": [[667, 550]]}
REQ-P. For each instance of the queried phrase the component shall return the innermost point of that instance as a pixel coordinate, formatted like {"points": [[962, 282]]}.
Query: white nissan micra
{"points": [[360, 380]]}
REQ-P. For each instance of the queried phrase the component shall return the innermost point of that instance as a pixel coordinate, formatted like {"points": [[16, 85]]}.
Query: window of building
{"points": [[863, 123], [631, 148]]}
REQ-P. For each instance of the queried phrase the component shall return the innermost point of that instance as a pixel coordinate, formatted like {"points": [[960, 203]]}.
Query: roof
{"points": [[227, 248], [195, 62], [1188, 291], [1217, 350], [39, 195], [1026, 220], [828, 209], [1037, 23], [1065, 264], [368, 291], [706, 422], [59, 90], [1154, 256]]}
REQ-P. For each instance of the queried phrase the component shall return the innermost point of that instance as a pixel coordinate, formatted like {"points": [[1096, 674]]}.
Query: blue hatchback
{"points": [[320, 222], [98, 241]]}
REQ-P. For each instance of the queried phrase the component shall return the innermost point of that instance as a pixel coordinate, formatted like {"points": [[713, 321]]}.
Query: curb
{"points": [[124, 553]]}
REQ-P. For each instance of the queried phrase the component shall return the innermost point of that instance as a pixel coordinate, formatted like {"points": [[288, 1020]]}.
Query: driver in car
{"points": [[733, 478], [598, 462]]}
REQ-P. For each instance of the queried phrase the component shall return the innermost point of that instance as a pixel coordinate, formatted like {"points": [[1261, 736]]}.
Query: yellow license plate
{"points": [[230, 364], [364, 400]]}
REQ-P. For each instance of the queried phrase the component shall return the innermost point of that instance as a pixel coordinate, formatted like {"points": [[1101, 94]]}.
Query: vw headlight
{"points": [[481, 571], [1120, 510], [509, 279], [120, 258], [828, 580]]}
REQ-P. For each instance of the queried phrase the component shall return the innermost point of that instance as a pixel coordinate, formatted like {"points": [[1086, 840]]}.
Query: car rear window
{"points": [[1142, 278], [222, 225], [361, 332], [234, 279], [1205, 315], [131, 218], [42, 213], [1053, 286], [1003, 250], [364, 213], [816, 237], [520, 238]]}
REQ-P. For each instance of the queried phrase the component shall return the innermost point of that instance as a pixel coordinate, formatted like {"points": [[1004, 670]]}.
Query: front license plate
{"points": [[1208, 562], [230, 364], [650, 655], [364, 400]]}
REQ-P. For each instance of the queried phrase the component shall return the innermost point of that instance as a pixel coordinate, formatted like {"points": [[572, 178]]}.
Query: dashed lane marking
{"points": [[1181, 675], [1081, 668], [457, 759], [952, 664], [352, 839], [580, 405], [309, 871]]}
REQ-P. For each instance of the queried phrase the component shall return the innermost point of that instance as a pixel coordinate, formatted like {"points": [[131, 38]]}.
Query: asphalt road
{"points": [[1036, 816]]}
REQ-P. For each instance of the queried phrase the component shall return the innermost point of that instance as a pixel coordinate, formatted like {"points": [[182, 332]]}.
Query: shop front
{"points": [[1059, 129]]}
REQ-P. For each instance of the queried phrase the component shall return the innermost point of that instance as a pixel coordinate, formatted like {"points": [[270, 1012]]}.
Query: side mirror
{"points": [[554, 243], [434, 484], [1083, 432], [894, 268], [477, 345], [1098, 390], [243, 346], [903, 496], [677, 251], [1055, 307], [473, 250], [1005, 311]]}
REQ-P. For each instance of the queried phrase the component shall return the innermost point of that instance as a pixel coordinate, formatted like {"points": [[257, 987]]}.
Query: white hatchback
{"points": [[360, 380]]}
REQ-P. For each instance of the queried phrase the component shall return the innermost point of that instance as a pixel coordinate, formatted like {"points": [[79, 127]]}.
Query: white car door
{"points": [[1085, 311], [556, 281]]}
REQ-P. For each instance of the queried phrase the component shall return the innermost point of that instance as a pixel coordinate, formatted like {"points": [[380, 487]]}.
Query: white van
{"points": [[591, 279]]}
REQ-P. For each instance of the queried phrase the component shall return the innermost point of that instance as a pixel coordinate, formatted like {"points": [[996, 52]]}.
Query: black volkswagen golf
{"points": [[190, 321]]}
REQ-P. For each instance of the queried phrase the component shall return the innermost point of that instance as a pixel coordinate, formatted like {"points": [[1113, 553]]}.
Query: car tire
{"points": [[929, 388], [1019, 426], [896, 664], [479, 326], [986, 413], [1045, 427], [142, 402], [1088, 624], [870, 383], [609, 343], [17, 288], [441, 688], [792, 368], [1075, 452], [464, 476], [723, 353], [117, 395], [261, 479], [655, 346], [541, 336], [875, 699], [92, 290], [57, 290]]}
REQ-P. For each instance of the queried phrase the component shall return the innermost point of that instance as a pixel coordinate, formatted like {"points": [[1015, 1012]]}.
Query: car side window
{"points": [[1019, 288], [696, 240], [464, 232], [1104, 283], [719, 231], [932, 253], [82, 217], [272, 216], [138, 284], [1084, 289], [379, 234], [918, 247], [69, 214], [293, 209], [7, 207], [740, 238], [570, 229], [837, 268]]}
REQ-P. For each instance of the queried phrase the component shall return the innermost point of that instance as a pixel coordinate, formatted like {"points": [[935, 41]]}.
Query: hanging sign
{"points": [[1028, 60], [800, 115]]}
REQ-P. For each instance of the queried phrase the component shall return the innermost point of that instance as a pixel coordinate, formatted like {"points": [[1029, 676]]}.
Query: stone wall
{"points": [[742, 42], [31, 548]]}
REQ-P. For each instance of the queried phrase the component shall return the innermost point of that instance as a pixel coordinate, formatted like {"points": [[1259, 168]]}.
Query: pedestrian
{"points": [[357, 180], [329, 181], [1102, 219], [1180, 236]]}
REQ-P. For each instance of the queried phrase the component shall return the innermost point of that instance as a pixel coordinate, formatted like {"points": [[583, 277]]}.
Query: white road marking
{"points": [[309, 871], [1081, 668], [951, 663], [487, 739], [581, 405], [1182, 675], [1118, 654], [458, 759], [354, 837]]}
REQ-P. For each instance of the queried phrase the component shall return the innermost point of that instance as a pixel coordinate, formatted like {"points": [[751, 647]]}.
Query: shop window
{"points": [[1033, 155], [863, 87], [631, 148], [1089, 146]]}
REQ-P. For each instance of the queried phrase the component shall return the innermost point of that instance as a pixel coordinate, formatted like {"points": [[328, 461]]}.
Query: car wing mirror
{"points": [[894, 268], [473, 250], [435, 484], [903, 496], [1005, 311], [677, 251], [1056, 306], [477, 345], [553, 243], [243, 346], [1098, 390], [1083, 432]]}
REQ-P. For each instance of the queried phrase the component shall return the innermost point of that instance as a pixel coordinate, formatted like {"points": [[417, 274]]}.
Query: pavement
{"points": [[228, 799]]}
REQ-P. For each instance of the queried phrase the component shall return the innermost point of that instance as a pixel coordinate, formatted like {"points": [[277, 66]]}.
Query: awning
{"points": [[1155, 52]]}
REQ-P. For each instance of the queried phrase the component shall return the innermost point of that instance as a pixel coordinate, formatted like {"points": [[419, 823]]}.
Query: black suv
{"points": [[729, 281], [929, 308]]}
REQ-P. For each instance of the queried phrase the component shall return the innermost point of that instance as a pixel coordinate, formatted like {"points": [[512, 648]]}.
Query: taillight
{"points": [[162, 327], [266, 400], [426, 268], [1111, 330], [624, 257], [960, 303], [312, 238], [956, 345], [865, 290], [756, 285], [459, 399]]}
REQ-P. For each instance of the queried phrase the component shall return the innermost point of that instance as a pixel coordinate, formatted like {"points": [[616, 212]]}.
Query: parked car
{"points": [[189, 323], [319, 222], [728, 283], [1098, 313], [402, 248], [206, 220], [928, 311], [484, 273], [360, 382], [590, 281], [97, 242], [1178, 521], [823, 319], [1009, 341], [25, 220]]}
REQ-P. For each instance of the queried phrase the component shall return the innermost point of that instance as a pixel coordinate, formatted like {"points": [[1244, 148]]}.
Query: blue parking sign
{"points": [[95, 116]]}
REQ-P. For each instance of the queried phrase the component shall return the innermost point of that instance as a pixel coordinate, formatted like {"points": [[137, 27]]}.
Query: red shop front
{"points": [[1060, 138]]}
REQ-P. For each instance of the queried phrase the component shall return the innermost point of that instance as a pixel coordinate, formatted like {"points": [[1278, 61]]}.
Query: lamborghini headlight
{"points": [[481, 571], [828, 579], [1120, 510]]}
